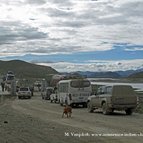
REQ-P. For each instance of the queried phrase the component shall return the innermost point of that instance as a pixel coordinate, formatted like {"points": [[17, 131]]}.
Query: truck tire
{"points": [[129, 111]]}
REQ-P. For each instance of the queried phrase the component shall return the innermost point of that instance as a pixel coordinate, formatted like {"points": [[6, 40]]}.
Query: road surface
{"points": [[39, 121]]}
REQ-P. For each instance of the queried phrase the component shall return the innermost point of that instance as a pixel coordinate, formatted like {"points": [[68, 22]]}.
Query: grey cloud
{"points": [[54, 12], [66, 17], [6, 35], [132, 9], [87, 16], [56, 47], [11, 2], [31, 33], [113, 20], [42, 50], [127, 11], [69, 32], [68, 25], [60, 13], [37, 2], [73, 23], [121, 14], [7, 39], [16, 32], [62, 2]]}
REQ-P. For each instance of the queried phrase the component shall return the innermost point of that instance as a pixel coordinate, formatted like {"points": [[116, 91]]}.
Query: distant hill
{"points": [[127, 73], [24, 69], [107, 74], [137, 75], [89, 74]]}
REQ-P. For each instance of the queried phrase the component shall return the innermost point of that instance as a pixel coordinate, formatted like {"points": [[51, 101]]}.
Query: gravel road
{"points": [[39, 121]]}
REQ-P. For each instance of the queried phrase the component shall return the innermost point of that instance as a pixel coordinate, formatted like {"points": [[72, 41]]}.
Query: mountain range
{"points": [[111, 74], [24, 69]]}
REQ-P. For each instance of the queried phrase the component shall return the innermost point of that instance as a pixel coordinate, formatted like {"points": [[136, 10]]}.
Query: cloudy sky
{"points": [[71, 35]]}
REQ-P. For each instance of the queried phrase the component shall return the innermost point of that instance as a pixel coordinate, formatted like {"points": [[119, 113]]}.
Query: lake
{"points": [[138, 86]]}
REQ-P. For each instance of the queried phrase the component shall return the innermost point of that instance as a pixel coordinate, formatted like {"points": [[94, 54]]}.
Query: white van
{"points": [[74, 92]]}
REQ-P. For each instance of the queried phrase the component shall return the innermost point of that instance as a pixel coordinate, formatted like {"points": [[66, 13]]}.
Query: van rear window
{"points": [[123, 90], [80, 83], [23, 89]]}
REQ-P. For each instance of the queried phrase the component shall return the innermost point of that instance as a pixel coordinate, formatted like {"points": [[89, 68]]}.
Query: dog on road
{"points": [[67, 111]]}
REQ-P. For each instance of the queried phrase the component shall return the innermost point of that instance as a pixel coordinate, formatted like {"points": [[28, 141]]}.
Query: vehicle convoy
{"points": [[74, 92], [116, 97], [24, 92]]}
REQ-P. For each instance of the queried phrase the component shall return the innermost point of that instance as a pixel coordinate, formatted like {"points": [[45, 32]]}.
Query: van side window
{"points": [[63, 87]]}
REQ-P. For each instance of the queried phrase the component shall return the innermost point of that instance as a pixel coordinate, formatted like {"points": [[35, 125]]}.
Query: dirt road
{"points": [[39, 121]]}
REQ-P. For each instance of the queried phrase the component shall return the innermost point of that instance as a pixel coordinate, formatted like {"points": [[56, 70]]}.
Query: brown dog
{"points": [[67, 111]]}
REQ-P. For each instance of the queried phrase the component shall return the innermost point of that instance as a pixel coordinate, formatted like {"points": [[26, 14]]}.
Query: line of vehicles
{"points": [[77, 92], [9, 83], [72, 92]]}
